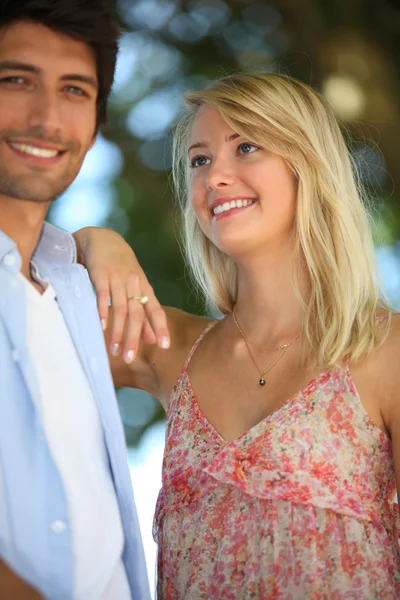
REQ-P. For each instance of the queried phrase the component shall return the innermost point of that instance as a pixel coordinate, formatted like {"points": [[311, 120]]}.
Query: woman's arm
{"points": [[137, 336], [12, 586], [155, 370]]}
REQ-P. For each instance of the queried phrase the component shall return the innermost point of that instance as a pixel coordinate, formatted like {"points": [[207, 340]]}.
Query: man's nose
{"points": [[45, 114]]}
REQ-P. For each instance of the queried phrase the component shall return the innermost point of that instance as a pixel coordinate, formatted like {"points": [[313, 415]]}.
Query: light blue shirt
{"points": [[35, 536]]}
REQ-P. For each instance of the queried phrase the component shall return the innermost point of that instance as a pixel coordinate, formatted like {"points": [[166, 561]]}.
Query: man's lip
{"points": [[38, 160], [222, 200], [37, 144]]}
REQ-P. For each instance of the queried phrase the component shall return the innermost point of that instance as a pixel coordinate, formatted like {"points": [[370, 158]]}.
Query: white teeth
{"points": [[34, 151], [232, 204]]}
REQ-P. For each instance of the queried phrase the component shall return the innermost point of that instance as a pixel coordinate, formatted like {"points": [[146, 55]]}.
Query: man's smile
{"points": [[38, 153]]}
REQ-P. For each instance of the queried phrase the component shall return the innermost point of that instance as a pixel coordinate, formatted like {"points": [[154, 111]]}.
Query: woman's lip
{"points": [[219, 201], [231, 211]]}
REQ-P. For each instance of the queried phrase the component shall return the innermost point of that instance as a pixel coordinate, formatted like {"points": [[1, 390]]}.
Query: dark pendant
{"points": [[262, 381]]}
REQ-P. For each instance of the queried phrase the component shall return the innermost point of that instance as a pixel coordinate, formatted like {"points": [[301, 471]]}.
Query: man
{"points": [[68, 526]]}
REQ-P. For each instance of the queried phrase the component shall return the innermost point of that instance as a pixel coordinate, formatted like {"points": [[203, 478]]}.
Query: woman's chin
{"points": [[235, 246]]}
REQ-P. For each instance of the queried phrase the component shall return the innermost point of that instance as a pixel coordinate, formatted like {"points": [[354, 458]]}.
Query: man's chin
{"points": [[31, 196], [38, 192]]}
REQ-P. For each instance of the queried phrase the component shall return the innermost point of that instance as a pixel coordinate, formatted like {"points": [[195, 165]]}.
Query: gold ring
{"points": [[140, 299]]}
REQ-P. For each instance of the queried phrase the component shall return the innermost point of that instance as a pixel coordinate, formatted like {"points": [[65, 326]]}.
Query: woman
{"points": [[283, 426]]}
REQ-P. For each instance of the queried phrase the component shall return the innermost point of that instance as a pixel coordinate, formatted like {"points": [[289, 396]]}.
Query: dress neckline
{"points": [[288, 402], [326, 374]]}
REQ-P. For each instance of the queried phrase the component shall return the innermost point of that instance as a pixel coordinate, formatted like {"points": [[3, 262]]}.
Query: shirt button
{"points": [[77, 292], [9, 260], [58, 526], [15, 355]]}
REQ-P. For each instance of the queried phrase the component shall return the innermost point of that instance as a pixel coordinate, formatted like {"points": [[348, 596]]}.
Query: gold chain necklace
{"points": [[283, 349]]}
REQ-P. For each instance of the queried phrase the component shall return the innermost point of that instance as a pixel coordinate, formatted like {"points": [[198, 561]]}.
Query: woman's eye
{"points": [[199, 161], [247, 148]]}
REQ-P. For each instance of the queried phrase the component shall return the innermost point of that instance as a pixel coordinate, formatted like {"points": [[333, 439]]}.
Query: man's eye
{"points": [[247, 148], [13, 79], [198, 161], [76, 91]]}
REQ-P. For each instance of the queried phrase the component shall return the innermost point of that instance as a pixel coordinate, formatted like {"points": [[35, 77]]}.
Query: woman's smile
{"points": [[227, 206]]}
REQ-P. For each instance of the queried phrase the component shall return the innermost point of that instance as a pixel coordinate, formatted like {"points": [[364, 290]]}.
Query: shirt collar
{"points": [[7, 245], [55, 245]]}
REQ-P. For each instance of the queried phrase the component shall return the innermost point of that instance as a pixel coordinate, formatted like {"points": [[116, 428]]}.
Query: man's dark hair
{"points": [[87, 21]]}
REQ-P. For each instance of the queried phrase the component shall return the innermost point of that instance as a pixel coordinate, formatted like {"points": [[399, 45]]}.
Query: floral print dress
{"points": [[300, 507]]}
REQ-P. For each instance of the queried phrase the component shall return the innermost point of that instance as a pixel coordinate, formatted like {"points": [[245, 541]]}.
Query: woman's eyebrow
{"points": [[197, 145], [228, 138]]}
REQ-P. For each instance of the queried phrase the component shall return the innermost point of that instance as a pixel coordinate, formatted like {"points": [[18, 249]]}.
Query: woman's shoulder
{"points": [[383, 366], [185, 329], [377, 376], [387, 349]]}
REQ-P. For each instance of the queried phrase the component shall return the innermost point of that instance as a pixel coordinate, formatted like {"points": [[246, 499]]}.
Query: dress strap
{"points": [[381, 318], [197, 342]]}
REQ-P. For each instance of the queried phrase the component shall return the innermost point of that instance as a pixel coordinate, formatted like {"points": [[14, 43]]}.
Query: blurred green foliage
{"points": [[350, 50]]}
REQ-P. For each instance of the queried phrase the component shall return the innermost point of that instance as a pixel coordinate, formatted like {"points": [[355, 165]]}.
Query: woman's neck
{"points": [[267, 306]]}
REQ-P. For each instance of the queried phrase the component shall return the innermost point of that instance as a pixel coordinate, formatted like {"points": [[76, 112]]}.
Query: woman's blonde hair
{"points": [[333, 233]]}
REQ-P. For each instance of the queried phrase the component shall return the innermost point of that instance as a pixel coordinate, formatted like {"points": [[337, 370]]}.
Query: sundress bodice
{"points": [[301, 506]]}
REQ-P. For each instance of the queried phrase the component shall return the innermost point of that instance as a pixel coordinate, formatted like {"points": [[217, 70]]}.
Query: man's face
{"points": [[48, 92]]}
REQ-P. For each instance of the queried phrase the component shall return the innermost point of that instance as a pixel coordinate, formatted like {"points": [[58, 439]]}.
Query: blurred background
{"points": [[348, 49]]}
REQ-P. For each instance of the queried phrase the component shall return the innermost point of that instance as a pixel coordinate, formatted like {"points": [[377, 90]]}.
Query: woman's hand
{"points": [[117, 275]]}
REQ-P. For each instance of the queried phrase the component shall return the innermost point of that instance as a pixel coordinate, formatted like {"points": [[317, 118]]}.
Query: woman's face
{"points": [[244, 196]]}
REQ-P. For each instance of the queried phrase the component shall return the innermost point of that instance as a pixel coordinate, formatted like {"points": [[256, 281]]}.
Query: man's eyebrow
{"points": [[228, 138], [92, 81], [13, 65]]}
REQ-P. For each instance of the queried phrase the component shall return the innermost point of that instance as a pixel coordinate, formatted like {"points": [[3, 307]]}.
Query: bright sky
{"points": [[145, 465]]}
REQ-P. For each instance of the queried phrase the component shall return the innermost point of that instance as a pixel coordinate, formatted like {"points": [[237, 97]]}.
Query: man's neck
{"points": [[22, 221]]}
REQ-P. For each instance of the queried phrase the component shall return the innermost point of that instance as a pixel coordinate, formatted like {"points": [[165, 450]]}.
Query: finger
{"points": [[101, 283], [158, 320], [103, 299], [148, 334], [119, 313], [135, 320]]}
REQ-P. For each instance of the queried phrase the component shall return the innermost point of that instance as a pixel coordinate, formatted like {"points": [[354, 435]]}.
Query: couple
{"points": [[283, 419]]}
